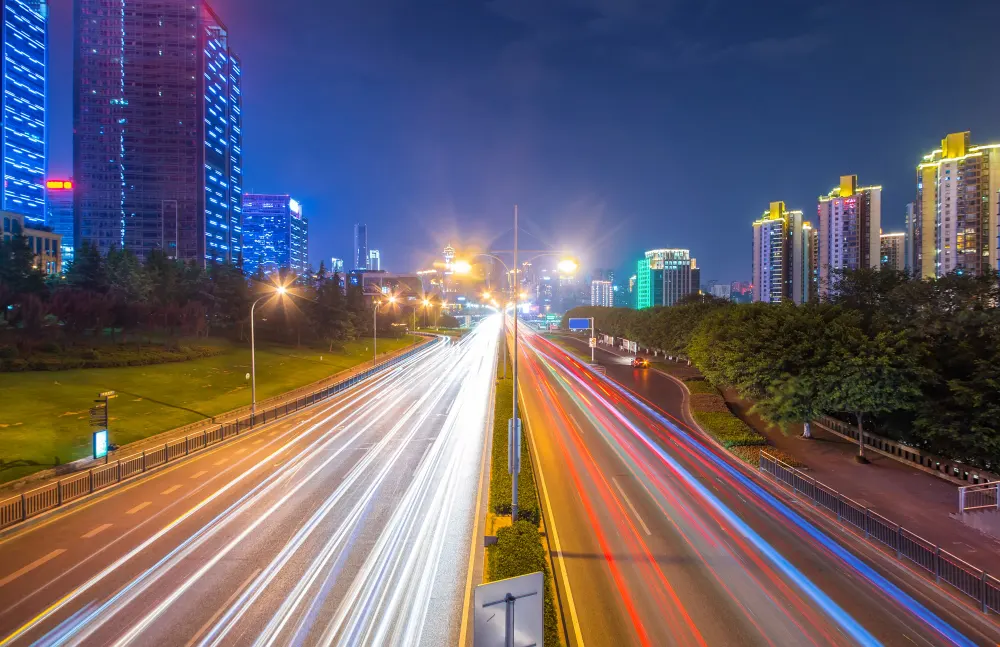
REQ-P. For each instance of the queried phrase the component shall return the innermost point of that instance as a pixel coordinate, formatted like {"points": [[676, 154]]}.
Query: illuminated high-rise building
{"points": [[893, 254], [337, 266], [957, 210], [781, 254], [360, 246], [601, 293], [59, 216], [275, 234], [850, 221], [374, 260], [157, 130], [908, 252], [664, 276], [22, 112]]}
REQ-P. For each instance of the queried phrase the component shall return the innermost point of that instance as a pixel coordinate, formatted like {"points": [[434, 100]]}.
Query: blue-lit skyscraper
{"points": [[23, 112], [157, 146], [275, 234], [59, 198]]}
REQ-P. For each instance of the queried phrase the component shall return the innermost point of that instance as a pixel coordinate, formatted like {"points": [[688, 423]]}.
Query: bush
{"points": [[500, 481], [519, 551], [751, 454], [109, 357], [729, 430], [709, 403], [700, 386], [8, 352]]}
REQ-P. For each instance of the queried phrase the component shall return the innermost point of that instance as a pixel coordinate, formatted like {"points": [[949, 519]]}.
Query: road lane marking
{"points": [[139, 507], [225, 604], [220, 462], [272, 434], [241, 450], [258, 441], [200, 474], [96, 531], [630, 506], [172, 488], [32, 566]]}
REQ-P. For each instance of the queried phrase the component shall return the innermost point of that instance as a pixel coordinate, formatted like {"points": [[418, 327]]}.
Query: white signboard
{"points": [[593, 342], [509, 612]]}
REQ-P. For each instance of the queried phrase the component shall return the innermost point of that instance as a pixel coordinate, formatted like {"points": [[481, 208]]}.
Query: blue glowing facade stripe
{"points": [[275, 234], [22, 118]]}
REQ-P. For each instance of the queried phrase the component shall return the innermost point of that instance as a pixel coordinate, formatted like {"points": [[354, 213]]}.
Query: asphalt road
{"points": [[350, 523], [661, 539]]}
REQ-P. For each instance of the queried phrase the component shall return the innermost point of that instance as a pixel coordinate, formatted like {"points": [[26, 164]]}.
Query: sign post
{"points": [[99, 419], [513, 461], [508, 613]]}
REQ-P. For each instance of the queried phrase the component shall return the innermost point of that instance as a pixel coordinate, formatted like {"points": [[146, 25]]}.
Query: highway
{"points": [[660, 538], [350, 523]]}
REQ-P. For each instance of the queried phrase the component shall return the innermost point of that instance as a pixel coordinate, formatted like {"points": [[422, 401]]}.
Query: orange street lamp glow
{"points": [[461, 267], [567, 266]]}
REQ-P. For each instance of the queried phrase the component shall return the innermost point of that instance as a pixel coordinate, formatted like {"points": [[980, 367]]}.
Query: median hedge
{"points": [[728, 429], [53, 357], [500, 481], [519, 551]]}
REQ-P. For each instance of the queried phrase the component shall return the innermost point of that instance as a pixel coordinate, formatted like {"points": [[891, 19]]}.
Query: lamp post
{"points": [[280, 291], [377, 304]]}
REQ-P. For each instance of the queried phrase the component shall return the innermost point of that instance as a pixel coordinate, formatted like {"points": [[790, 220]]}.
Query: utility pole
{"points": [[514, 439]]}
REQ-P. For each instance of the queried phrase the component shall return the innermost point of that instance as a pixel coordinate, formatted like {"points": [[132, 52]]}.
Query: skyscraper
{"points": [[22, 112], [374, 260], [157, 139], [275, 234], [957, 210], [663, 276], [360, 246], [908, 251], [601, 293], [337, 266], [893, 255], [850, 221], [59, 216], [780, 270]]}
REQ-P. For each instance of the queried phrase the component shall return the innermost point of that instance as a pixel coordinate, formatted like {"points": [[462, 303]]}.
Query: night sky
{"points": [[616, 125]]}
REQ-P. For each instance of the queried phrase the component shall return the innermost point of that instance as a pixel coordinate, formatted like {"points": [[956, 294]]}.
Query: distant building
{"points": [[780, 270], [893, 256], [337, 266], [360, 246], [956, 210], [722, 291], [45, 243], [633, 290], [374, 260], [850, 221], [908, 252], [22, 111], [157, 130], [59, 216], [664, 276], [275, 234], [602, 293]]}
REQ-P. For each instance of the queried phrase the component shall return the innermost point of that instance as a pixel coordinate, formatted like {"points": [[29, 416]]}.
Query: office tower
{"points": [[275, 234], [22, 112], [893, 253], [44, 244], [955, 215], [633, 291], [360, 246], [337, 266], [601, 293], [374, 260], [721, 291], [157, 130], [664, 276], [850, 221], [908, 257], [810, 259], [59, 216], [779, 271]]}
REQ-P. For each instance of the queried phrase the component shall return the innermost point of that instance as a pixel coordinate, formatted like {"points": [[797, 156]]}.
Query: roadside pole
{"points": [[515, 424], [593, 340]]}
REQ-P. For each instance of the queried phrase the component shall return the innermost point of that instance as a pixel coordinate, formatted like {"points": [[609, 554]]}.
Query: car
{"points": [[640, 362]]}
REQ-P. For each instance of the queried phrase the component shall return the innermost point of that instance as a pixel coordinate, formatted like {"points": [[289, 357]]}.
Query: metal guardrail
{"points": [[928, 557], [52, 495], [979, 497]]}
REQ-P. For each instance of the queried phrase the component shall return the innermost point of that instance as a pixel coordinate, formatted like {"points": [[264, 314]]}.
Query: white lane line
{"points": [[139, 507], [221, 461], [274, 433], [241, 450], [200, 474], [224, 606], [96, 531], [32, 566], [630, 506], [258, 441], [172, 488]]}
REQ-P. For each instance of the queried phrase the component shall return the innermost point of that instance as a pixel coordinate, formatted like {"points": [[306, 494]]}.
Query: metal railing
{"points": [[978, 497], [51, 495], [926, 556]]}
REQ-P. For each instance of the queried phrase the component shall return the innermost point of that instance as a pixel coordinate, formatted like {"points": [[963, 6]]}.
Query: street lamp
{"points": [[391, 300], [280, 292]]}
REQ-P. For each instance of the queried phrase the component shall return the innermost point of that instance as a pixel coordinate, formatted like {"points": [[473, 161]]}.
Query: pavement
{"points": [[920, 502], [350, 523], [661, 538]]}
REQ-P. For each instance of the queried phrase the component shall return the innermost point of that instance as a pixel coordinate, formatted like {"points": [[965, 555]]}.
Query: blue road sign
{"points": [[579, 323]]}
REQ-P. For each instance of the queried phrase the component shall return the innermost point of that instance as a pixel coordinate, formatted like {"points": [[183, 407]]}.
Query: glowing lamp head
{"points": [[281, 290], [461, 267], [426, 303], [392, 298], [486, 295], [567, 266]]}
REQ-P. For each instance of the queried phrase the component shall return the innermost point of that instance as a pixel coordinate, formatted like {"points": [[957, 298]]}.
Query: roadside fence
{"points": [[52, 495], [930, 559]]}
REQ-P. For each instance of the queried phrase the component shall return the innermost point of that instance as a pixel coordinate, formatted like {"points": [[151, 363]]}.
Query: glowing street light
{"points": [[461, 267], [567, 266], [280, 291], [376, 304], [486, 295]]}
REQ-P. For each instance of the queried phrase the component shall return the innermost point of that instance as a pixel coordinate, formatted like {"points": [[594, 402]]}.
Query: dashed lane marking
{"points": [[172, 488], [96, 531], [139, 507], [32, 566], [200, 474]]}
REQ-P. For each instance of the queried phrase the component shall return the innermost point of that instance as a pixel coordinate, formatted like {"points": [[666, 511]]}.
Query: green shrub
{"points": [[728, 429], [519, 551], [500, 481], [708, 403], [700, 386], [8, 352], [106, 357], [751, 454]]}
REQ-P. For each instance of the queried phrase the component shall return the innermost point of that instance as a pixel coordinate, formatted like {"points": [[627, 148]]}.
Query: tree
{"points": [[88, 271], [126, 276], [17, 270]]}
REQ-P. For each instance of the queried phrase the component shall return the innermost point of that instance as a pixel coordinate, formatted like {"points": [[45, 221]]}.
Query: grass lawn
{"points": [[582, 353], [44, 417]]}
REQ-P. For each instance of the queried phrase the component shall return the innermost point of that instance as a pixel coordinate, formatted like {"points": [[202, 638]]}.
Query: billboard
{"points": [[579, 323]]}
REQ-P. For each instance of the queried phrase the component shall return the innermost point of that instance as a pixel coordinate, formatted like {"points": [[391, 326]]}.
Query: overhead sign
{"points": [[100, 442], [579, 323], [509, 612]]}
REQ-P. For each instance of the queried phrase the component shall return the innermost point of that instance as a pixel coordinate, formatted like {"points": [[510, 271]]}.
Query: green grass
{"points": [[728, 429], [580, 352], [44, 418]]}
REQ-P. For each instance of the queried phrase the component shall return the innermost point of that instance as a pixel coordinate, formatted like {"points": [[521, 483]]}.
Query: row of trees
{"points": [[119, 296], [914, 360]]}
